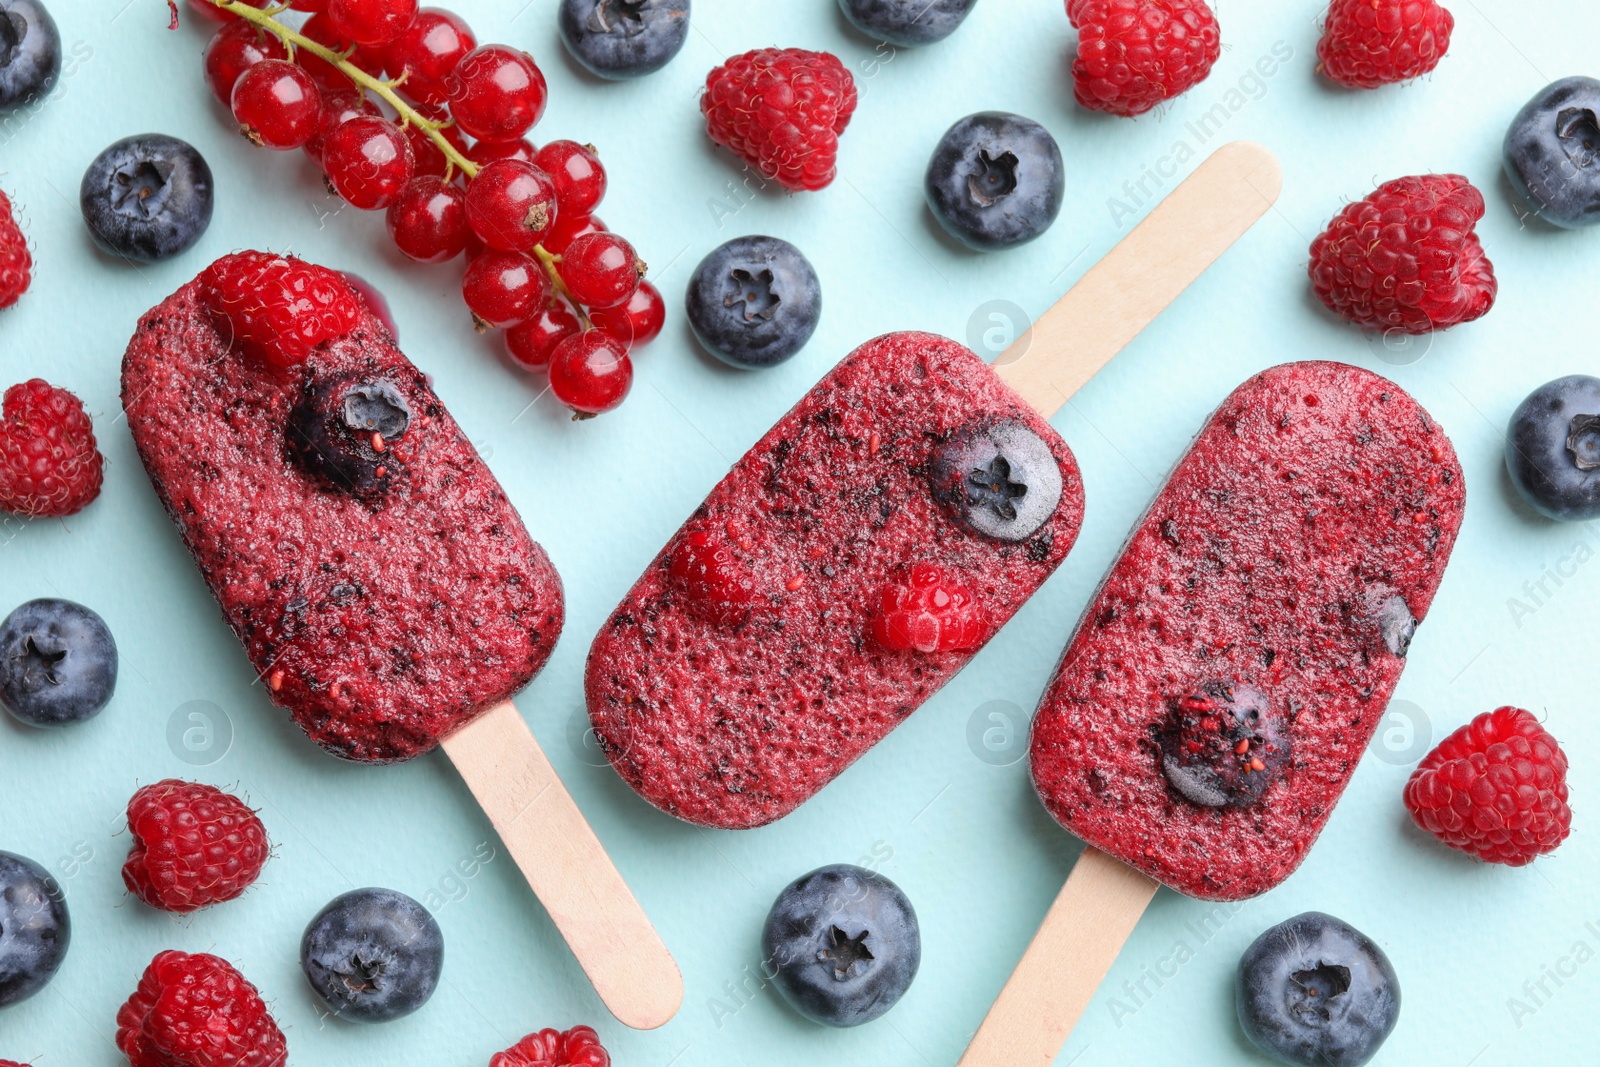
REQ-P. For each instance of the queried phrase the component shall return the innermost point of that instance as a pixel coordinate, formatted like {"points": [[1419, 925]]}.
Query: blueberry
{"points": [[147, 198], [373, 955], [1553, 448], [907, 23], [754, 301], [619, 39], [58, 663], [1314, 990], [998, 478], [30, 53], [34, 928], [1552, 152], [1222, 745], [339, 432], [843, 945], [996, 180]]}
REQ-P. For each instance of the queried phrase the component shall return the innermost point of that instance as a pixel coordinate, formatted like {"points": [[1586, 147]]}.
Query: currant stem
{"points": [[294, 41], [549, 261]]}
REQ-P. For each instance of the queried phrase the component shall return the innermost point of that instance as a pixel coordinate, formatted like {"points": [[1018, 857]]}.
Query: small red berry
{"points": [[930, 612], [716, 583], [430, 158], [429, 221], [485, 152], [496, 92], [566, 230], [50, 466], [16, 263], [277, 308], [591, 373], [197, 1011], [601, 270], [193, 846], [511, 205], [235, 48], [1495, 789], [530, 344], [637, 322], [277, 105], [1407, 257], [1368, 43], [576, 170], [578, 1047], [504, 288], [372, 23], [781, 110], [1135, 54], [321, 29], [338, 107], [368, 162], [427, 52]]}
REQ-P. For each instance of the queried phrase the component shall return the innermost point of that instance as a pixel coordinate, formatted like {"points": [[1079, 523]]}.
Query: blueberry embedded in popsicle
{"points": [[1223, 745], [340, 431], [998, 478]]}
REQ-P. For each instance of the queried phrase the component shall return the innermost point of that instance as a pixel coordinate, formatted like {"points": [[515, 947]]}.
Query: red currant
{"points": [[216, 14], [496, 92], [637, 322], [511, 205], [601, 270], [310, 6], [531, 343], [590, 372], [368, 162], [485, 152], [427, 52], [373, 23], [234, 49], [276, 104], [320, 29], [504, 289], [429, 221], [338, 107], [566, 230], [576, 170], [430, 159]]}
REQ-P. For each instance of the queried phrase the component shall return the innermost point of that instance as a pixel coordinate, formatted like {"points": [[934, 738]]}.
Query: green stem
{"points": [[548, 261], [294, 41]]}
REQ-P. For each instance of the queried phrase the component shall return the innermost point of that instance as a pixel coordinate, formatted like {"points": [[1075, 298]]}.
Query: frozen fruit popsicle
{"points": [[382, 584], [1230, 670], [877, 537]]}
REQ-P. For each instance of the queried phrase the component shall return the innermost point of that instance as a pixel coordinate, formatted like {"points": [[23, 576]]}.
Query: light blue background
{"points": [[966, 839]]}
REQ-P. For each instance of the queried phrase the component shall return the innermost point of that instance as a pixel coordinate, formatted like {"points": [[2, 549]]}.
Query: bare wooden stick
{"points": [[567, 867]]}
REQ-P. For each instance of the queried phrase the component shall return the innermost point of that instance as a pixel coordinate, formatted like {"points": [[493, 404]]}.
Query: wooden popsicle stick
{"points": [[1119, 296], [1092, 916], [567, 867], [1147, 270]]}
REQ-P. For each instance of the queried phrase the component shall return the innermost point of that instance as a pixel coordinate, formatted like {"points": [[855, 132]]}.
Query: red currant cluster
{"points": [[569, 294]]}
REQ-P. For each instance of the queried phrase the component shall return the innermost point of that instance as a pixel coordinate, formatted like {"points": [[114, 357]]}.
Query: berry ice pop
{"points": [[878, 536], [382, 584], [1226, 677]]}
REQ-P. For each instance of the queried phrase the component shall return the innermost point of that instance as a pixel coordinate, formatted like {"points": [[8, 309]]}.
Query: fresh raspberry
{"points": [[1133, 54], [578, 1047], [781, 110], [1406, 257], [12, 1063], [705, 567], [15, 262], [49, 465], [278, 308], [1368, 43], [929, 613], [1496, 788], [193, 845], [197, 1011]]}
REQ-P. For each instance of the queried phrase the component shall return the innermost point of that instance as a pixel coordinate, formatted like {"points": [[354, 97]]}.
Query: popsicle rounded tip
{"points": [[653, 997], [1256, 165]]}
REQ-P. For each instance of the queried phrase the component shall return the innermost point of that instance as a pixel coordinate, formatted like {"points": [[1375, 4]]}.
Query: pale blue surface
{"points": [[966, 840]]}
